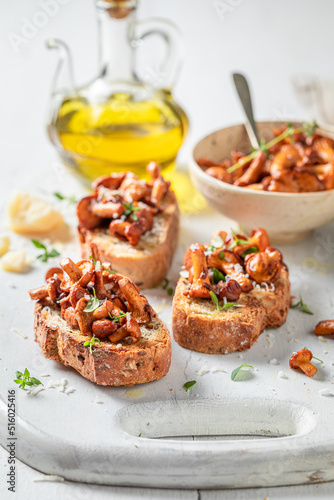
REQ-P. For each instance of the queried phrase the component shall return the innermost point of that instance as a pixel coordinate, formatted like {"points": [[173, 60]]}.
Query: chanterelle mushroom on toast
{"points": [[134, 224], [95, 320], [229, 291]]}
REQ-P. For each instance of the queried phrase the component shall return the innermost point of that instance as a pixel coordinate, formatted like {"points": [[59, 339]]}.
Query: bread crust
{"points": [[233, 329], [148, 263], [146, 360]]}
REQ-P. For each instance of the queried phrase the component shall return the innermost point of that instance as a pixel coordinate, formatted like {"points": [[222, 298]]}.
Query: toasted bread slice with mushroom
{"points": [[147, 263], [106, 363], [230, 290], [197, 327]]}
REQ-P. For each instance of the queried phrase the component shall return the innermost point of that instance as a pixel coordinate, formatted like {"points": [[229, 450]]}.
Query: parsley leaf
{"points": [[215, 301], [217, 275], [165, 284], [93, 303], [24, 379], [91, 343], [250, 250], [236, 371], [189, 384], [237, 241], [302, 306], [47, 253], [116, 319]]}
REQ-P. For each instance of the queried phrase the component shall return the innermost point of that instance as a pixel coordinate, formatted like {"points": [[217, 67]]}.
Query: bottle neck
{"points": [[115, 28]]}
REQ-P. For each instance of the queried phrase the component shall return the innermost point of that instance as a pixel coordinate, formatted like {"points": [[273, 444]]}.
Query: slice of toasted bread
{"points": [[233, 329], [147, 263], [108, 364]]}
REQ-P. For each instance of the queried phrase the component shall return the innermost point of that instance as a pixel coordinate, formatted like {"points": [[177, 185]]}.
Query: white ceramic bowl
{"points": [[288, 217]]}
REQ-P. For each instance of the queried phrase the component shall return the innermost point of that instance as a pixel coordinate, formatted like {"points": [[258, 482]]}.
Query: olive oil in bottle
{"points": [[121, 134]]}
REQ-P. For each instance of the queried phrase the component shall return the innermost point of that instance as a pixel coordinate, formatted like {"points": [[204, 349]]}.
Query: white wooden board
{"points": [[267, 430]]}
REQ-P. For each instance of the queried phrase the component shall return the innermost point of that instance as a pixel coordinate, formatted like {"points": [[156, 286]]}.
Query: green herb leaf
{"points": [[93, 303], [116, 319], [60, 196], [130, 210], [91, 343], [237, 241], [110, 271], [184, 273], [189, 384], [250, 250], [165, 283], [35, 381], [165, 286], [229, 304], [214, 299], [217, 276], [23, 379], [47, 254], [92, 258], [310, 128], [53, 253], [38, 244], [236, 371], [222, 255], [302, 306]]}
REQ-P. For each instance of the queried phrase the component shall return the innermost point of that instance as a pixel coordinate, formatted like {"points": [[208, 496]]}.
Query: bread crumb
{"points": [[282, 375], [321, 339], [44, 375], [69, 390]]}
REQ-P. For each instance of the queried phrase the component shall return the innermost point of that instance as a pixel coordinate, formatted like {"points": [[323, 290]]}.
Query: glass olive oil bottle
{"points": [[117, 122]]}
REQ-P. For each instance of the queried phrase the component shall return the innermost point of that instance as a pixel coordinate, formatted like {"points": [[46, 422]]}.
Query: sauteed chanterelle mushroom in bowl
{"points": [[287, 186]]}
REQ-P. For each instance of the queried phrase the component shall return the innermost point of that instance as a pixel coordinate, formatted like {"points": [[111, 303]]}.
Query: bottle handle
{"points": [[165, 76]]}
